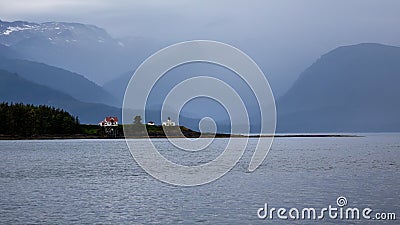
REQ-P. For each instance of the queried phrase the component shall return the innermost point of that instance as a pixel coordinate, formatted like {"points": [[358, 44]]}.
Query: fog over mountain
{"points": [[14, 88], [284, 37], [80, 48], [352, 88], [70, 83], [118, 85]]}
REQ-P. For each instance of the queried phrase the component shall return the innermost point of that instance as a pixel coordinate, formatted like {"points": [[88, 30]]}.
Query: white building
{"points": [[109, 121], [168, 123], [110, 126]]}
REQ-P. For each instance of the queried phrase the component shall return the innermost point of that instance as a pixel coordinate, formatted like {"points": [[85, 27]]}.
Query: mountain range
{"points": [[349, 89], [81, 48], [63, 80], [14, 88]]}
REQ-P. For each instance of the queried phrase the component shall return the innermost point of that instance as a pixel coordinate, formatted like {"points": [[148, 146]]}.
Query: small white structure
{"points": [[151, 123], [168, 123]]}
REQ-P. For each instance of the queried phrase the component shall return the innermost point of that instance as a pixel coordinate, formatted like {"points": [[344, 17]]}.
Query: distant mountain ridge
{"points": [[7, 52], [117, 86], [81, 48], [351, 88], [12, 33], [14, 88], [70, 83]]}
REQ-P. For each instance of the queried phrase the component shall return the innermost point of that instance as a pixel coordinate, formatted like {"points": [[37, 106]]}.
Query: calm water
{"points": [[97, 181]]}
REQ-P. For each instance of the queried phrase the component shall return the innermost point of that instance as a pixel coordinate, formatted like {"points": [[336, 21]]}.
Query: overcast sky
{"points": [[284, 37]]}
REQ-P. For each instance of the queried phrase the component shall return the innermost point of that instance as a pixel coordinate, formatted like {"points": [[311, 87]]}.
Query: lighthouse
{"points": [[168, 123]]}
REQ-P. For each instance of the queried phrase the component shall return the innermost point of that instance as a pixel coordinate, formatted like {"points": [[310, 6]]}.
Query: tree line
{"points": [[26, 120]]}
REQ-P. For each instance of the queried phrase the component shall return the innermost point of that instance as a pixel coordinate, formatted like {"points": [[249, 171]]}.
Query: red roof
{"points": [[111, 118]]}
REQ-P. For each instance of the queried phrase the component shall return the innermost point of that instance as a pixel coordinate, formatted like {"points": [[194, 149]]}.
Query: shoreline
{"points": [[71, 137]]}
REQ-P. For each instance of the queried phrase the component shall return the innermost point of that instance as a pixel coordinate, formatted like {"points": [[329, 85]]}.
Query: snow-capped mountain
{"points": [[11, 33], [82, 48]]}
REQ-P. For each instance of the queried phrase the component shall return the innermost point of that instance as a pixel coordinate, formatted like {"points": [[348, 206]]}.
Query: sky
{"points": [[284, 37]]}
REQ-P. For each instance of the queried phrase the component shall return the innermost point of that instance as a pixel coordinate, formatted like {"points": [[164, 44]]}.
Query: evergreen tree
{"points": [[29, 120]]}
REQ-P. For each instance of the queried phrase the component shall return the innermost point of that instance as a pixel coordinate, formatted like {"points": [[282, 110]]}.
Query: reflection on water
{"points": [[97, 181]]}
